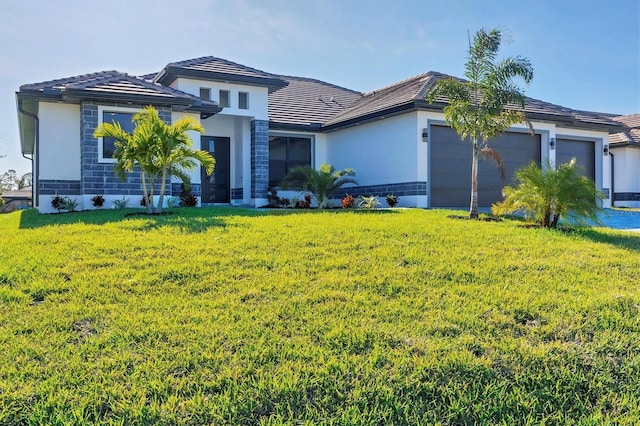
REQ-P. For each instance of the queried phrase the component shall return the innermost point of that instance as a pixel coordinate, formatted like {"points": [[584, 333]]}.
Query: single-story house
{"points": [[259, 125], [16, 200], [625, 162]]}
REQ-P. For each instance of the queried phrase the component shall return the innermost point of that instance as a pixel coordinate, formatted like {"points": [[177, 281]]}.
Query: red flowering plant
{"points": [[348, 202]]}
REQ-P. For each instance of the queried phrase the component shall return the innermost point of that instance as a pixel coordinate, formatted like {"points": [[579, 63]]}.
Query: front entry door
{"points": [[216, 188]]}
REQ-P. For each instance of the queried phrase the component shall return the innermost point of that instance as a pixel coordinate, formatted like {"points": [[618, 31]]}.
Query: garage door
{"points": [[451, 166], [583, 151]]}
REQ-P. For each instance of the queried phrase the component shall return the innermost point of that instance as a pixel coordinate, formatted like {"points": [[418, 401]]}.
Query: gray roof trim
{"points": [[170, 74], [218, 69], [115, 86]]}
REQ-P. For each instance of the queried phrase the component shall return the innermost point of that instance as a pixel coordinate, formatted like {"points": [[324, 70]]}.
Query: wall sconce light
{"points": [[606, 150], [552, 143], [425, 134]]}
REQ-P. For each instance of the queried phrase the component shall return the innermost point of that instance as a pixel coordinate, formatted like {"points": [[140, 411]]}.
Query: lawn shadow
{"points": [[188, 220], [627, 240]]}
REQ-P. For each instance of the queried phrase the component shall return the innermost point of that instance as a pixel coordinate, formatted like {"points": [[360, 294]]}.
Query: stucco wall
{"points": [[258, 96], [627, 177], [383, 151], [59, 147]]}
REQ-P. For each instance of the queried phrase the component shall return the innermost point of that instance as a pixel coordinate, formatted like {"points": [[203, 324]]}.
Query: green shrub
{"points": [[547, 194], [322, 183], [369, 203]]}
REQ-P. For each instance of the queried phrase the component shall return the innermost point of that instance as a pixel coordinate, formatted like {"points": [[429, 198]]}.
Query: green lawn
{"points": [[233, 316]]}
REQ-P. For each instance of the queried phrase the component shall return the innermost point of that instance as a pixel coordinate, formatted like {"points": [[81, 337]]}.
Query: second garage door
{"points": [[582, 151], [451, 166]]}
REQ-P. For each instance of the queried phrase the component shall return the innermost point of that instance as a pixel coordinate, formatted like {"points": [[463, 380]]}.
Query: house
{"points": [[625, 162], [16, 200], [259, 125]]}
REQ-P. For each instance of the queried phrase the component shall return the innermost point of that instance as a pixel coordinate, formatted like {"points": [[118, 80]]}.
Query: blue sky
{"points": [[585, 53]]}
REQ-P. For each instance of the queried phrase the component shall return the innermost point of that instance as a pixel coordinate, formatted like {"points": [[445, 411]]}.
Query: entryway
{"points": [[216, 188]]}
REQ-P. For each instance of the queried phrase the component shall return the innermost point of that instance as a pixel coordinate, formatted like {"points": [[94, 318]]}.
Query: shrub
{"points": [[369, 203], [120, 204], [97, 201], [547, 194], [272, 197], [348, 202], [57, 203], [392, 200], [171, 202], [322, 183], [304, 203], [70, 204], [284, 202], [188, 200]]}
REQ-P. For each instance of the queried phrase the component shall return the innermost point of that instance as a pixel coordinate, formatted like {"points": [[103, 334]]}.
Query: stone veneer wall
{"points": [[398, 189], [259, 158], [100, 178], [59, 187]]}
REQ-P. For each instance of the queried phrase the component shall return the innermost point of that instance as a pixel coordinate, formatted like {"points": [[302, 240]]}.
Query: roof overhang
{"points": [[170, 73], [27, 108]]}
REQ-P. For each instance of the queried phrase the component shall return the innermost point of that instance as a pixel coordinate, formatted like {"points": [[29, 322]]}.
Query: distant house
{"points": [[259, 125], [17, 200], [625, 162]]}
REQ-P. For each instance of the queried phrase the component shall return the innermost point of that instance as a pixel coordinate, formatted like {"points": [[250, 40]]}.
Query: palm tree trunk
{"points": [[163, 185], [145, 192], [473, 208]]}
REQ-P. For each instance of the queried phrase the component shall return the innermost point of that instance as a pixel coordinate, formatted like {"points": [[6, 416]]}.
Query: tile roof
{"points": [[116, 85], [212, 68], [403, 93], [631, 134], [308, 102], [410, 93]]}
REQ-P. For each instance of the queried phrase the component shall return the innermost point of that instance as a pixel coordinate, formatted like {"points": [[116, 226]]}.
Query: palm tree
{"points": [[546, 194], [160, 150], [322, 183], [483, 107]]}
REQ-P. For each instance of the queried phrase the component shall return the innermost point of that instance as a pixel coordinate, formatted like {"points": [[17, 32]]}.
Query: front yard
{"points": [[233, 316]]}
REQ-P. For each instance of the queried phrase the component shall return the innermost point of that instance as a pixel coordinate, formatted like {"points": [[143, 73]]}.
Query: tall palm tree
{"points": [[483, 106], [160, 150]]}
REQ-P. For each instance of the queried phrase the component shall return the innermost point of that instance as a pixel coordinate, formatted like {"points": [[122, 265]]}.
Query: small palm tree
{"points": [[547, 194], [482, 107], [322, 183], [160, 150]]}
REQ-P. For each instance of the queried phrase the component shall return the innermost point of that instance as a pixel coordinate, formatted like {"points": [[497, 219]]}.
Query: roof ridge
{"points": [[204, 59], [405, 81]]}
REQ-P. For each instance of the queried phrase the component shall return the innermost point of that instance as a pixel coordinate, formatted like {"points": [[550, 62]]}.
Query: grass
{"points": [[232, 316]]}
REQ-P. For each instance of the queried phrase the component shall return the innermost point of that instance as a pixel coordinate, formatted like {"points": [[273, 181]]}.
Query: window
{"points": [[125, 121], [285, 153], [243, 100], [205, 93], [224, 98]]}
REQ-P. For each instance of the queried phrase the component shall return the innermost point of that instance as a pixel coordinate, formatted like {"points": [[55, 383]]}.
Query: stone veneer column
{"points": [[259, 161]]}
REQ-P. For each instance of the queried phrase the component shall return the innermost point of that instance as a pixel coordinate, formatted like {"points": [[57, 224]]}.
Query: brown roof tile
{"points": [[631, 134], [308, 102]]}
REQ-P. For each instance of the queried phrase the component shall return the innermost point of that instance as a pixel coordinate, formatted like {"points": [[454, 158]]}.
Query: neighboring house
{"points": [[260, 125], [17, 200], [625, 162]]}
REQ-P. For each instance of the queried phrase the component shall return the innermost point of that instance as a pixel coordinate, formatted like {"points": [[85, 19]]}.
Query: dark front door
{"points": [[216, 188]]}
